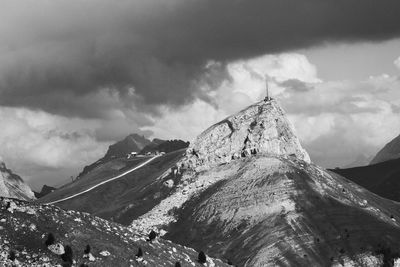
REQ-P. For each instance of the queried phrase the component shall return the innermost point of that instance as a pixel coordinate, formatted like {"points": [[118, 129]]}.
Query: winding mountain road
{"points": [[106, 181]]}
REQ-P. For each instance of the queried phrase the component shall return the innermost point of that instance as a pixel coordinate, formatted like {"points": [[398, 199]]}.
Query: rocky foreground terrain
{"points": [[25, 241], [12, 185]]}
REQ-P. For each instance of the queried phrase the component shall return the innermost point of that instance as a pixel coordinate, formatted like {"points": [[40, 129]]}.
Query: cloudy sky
{"points": [[78, 75]]}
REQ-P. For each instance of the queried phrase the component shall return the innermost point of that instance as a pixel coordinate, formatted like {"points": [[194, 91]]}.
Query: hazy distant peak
{"points": [[390, 151]]}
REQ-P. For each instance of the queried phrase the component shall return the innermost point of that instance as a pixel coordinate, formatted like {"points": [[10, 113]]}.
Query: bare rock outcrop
{"points": [[11, 185], [260, 128]]}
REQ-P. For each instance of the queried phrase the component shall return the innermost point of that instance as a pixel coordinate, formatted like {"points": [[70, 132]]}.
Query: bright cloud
{"points": [[397, 62], [33, 141]]}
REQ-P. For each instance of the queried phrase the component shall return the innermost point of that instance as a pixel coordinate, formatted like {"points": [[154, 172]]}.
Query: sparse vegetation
{"points": [[177, 264], [68, 255], [152, 236], [50, 240], [139, 254], [202, 257], [87, 249], [11, 257]]}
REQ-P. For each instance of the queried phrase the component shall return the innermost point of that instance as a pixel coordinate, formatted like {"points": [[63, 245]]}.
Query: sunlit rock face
{"points": [[261, 128], [11, 185]]}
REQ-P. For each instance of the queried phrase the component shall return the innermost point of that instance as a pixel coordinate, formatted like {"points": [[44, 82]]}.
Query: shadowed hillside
{"points": [[382, 178]]}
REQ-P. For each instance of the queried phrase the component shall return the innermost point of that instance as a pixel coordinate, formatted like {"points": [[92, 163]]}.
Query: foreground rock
{"points": [[11, 185]]}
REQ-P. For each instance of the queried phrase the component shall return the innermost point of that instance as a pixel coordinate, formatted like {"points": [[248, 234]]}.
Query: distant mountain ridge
{"points": [[136, 143], [361, 160], [132, 142], [390, 151], [12, 185]]}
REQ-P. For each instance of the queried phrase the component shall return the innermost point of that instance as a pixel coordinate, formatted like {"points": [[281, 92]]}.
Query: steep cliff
{"points": [[11, 185]]}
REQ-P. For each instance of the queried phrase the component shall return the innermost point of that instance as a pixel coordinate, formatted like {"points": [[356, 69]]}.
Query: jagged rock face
{"points": [[272, 211], [390, 151], [11, 185], [260, 128]]}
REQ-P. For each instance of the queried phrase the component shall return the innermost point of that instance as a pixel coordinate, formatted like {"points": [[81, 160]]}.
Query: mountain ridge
{"points": [[390, 151]]}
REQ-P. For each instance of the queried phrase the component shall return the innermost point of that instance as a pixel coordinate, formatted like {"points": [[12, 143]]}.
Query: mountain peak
{"points": [[261, 128]]}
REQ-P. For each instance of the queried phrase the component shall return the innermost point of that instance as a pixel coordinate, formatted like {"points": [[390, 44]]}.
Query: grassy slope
{"points": [[382, 178], [124, 199], [24, 228]]}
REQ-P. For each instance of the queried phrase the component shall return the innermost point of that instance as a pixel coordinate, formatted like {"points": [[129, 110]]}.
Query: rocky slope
{"points": [[260, 128], [11, 185], [390, 151], [126, 198], [249, 194], [24, 231]]}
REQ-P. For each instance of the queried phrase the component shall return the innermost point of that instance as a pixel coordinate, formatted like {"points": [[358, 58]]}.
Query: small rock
{"points": [[105, 253], [169, 183], [91, 257], [57, 248]]}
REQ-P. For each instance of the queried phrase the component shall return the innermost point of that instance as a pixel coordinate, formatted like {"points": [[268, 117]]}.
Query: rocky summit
{"points": [[260, 128], [11, 185]]}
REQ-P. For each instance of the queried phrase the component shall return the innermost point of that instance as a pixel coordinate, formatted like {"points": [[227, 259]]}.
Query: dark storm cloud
{"points": [[296, 85], [53, 54]]}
